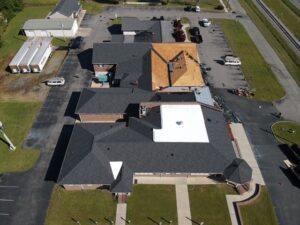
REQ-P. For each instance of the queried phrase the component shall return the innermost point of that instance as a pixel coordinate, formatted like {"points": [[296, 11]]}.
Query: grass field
{"points": [[12, 41], [66, 207], [61, 42], [204, 4], [286, 15], [208, 203], [257, 72], [92, 6], [260, 211], [17, 118], [287, 132], [150, 204], [39, 2], [284, 52]]}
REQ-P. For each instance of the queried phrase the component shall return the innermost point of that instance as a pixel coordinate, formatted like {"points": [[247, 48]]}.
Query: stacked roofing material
{"points": [[32, 56]]}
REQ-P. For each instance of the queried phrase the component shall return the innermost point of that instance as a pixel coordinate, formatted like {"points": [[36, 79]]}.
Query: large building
{"points": [[185, 139], [148, 66], [61, 22]]}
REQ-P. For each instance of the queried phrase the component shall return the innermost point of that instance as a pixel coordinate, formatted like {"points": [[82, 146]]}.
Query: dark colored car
{"points": [[76, 42], [189, 8], [197, 39], [195, 31]]}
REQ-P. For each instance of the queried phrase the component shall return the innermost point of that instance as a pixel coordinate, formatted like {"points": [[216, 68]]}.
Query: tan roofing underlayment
{"points": [[185, 63]]}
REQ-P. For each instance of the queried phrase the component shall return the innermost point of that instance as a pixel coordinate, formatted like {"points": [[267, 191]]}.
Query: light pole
{"points": [[11, 145]]}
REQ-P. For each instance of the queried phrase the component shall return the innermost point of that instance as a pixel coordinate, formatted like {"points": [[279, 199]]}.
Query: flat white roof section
{"points": [[116, 168], [44, 45], [181, 123]]}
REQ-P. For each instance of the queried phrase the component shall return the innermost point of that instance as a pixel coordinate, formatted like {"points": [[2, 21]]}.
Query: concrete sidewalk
{"points": [[245, 151], [121, 214], [183, 204]]}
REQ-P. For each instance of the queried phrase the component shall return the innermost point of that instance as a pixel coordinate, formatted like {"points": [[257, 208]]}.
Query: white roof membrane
{"points": [[181, 123]]}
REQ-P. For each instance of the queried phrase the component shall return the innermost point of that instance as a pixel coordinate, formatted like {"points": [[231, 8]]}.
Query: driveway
{"points": [[25, 196], [257, 118]]}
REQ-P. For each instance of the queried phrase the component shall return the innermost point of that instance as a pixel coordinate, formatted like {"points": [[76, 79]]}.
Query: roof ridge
{"points": [[110, 131]]}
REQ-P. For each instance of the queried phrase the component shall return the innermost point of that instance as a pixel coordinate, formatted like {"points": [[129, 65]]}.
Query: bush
{"points": [[219, 7]]}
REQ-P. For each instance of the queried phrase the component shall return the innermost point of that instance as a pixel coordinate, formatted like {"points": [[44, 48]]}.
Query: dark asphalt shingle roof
{"points": [[146, 30], [238, 171], [67, 7], [135, 148], [122, 100]]}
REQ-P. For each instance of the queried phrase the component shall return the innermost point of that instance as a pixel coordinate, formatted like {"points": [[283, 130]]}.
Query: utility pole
{"points": [[11, 146]]}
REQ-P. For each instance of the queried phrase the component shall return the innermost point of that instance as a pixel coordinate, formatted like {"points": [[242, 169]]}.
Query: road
{"points": [[289, 106], [257, 118], [281, 28]]}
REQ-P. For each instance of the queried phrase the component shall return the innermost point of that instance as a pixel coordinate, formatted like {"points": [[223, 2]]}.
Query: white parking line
{"points": [[6, 200], [2, 186], [4, 214]]}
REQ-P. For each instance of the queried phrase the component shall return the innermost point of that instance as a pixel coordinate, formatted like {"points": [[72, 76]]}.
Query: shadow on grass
{"points": [[59, 153], [4, 141], [152, 220]]}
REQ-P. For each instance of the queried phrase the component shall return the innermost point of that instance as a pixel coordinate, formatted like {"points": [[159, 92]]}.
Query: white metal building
{"points": [[51, 27], [39, 61], [14, 64], [25, 62]]}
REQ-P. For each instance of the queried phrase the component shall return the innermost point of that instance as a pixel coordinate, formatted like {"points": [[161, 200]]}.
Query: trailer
{"points": [[14, 64], [39, 61], [25, 63]]}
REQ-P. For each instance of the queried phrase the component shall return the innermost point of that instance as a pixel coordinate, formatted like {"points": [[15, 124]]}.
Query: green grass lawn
{"points": [[260, 211], [92, 6], [12, 41], [284, 52], [208, 203], [148, 204], [117, 21], [39, 2], [256, 71], [83, 206], [17, 118], [204, 4], [286, 15], [287, 132], [61, 42]]}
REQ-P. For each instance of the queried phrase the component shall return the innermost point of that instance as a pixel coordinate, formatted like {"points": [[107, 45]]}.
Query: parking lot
{"points": [[214, 46]]}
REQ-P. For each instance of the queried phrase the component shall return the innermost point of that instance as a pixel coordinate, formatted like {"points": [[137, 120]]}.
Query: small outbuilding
{"points": [[50, 27], [14, 64], [39, 61], [66, 9]]}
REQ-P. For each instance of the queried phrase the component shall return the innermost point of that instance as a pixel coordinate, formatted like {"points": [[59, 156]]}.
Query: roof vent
{"points": [[179, 123], [208, 119], [170, 67]]}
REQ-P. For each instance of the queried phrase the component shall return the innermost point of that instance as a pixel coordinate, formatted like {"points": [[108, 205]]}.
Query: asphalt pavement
{"points": [[257, 118]]}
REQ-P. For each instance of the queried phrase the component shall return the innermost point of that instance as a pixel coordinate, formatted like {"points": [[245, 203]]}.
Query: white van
{"points": [[57, 81], [206, 22], [232, 61], [197, 8]]}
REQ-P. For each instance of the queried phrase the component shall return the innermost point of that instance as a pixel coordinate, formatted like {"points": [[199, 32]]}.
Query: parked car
{"points": [[57, 81], [232, 61], [206, 22], [197, 39], [195, 31], [189, 8], [197, 8]]}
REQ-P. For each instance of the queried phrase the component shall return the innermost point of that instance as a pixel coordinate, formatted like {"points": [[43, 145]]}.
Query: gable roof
{"points": [[146, 30], [49, 24], [66, 7], [123, 100], [133, 145]]}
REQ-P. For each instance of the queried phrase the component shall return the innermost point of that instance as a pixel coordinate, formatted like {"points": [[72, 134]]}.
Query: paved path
{"points": [[121, 214], [183, 204], [246, 152], [289, 106]]}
